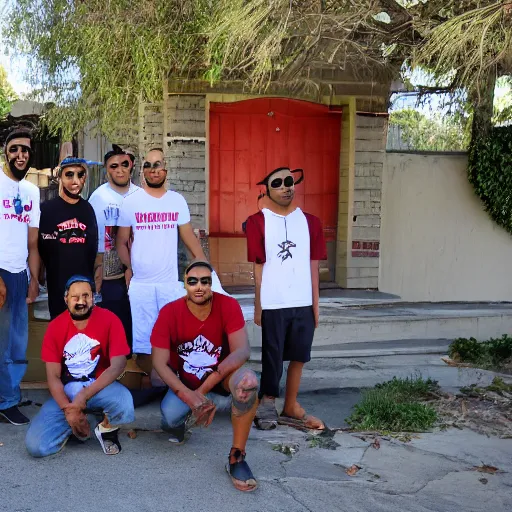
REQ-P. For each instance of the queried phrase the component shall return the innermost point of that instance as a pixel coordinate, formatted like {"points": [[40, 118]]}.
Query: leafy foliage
{"points": [[435, 133], [493, 353], [96, 60], [471, 44], [101, 58], [490, 172], [396, 406], [7, 94]]}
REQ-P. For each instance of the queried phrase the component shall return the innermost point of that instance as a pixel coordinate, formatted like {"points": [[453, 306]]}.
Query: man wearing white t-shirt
{"points": [[106, 201], [19, 230], [285, 244], [155, 216]]}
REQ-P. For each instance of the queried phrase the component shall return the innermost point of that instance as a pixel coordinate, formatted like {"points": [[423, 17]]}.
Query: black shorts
{"points": [[115, 298], [290, 330]]}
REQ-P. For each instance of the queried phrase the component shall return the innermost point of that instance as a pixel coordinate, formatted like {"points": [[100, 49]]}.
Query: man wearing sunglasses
{"points": [[155, 216], [68, 233], [19, 223], [285, 244], [199, 347], [107, 200]]}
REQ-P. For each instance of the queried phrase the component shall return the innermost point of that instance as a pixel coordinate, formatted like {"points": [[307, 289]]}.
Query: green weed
{"points": [[396, 406]]}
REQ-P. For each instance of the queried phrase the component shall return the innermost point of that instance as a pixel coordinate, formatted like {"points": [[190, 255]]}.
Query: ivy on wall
{"points": [[490, 172]]}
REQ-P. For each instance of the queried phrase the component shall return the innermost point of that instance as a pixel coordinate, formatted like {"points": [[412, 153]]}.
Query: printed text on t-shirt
{"points": [[143, 218], [156, 220], [19, 208]]}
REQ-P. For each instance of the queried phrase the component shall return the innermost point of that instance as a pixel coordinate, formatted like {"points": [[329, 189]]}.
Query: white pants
{"points": [[146, 301]]}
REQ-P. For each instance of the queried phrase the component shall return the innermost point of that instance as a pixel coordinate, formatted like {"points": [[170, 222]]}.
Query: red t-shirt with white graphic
{"points": [[285, 246], [84, 353], [197, 346]]}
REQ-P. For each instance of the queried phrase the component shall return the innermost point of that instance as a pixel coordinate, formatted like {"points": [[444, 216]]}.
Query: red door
{"points": [[250, 138]]}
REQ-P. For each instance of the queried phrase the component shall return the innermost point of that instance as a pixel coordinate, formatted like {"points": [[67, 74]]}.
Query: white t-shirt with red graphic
{"points": [[285, 246], [154, 221], [19, 210]]}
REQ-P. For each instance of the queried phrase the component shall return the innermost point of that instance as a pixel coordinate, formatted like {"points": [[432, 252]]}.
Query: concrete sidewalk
{"points": [[434, 472]]}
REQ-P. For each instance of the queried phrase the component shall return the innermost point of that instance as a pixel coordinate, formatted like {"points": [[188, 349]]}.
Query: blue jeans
{"points": [[49, 430], [13, 337], [174, 411]]}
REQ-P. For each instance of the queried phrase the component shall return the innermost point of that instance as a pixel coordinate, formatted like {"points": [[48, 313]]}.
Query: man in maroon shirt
{"points": [[199, 344], [85, 351], [285, 244]]}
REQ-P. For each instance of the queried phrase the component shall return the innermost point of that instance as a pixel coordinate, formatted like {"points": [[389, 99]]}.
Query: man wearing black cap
{"points": [[19, 223], [106, 201], [285, 244], [68, 233], [199, 347], [85, 351]]}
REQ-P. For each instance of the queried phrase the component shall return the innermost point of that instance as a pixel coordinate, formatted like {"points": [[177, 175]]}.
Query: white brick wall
{"points": [[185, 152], [363, 267]]}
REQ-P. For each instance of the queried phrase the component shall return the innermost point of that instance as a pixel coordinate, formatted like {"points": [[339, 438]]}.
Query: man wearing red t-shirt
{"points": [[285, 244], [199, 346], [85, 351]]}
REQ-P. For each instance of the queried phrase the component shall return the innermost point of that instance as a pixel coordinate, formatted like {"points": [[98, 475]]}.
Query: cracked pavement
{"points": [[433, 472]]}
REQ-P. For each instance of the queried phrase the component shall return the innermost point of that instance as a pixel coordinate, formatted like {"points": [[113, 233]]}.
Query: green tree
{"points": [[7, 94], [435, 133], [100, 58]]}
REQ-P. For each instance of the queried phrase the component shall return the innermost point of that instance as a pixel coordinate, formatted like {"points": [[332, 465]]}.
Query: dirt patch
{"points": [[483, 410]]}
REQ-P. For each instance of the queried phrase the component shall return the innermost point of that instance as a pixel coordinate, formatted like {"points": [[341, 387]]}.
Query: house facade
{"points": [[220, 141]]}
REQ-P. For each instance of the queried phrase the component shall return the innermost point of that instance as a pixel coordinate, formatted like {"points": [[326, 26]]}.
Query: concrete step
{"points": [[343, 324], [370, 349]]}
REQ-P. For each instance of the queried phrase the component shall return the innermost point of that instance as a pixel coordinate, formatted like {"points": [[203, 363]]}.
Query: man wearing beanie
{"points": [[85, 351]]}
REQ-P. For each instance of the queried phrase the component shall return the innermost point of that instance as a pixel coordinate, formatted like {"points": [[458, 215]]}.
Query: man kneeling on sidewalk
{"points": [[202, 337], [85, 351]]}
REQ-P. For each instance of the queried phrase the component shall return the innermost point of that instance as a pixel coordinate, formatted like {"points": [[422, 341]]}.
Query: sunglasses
{"points": [[156, 166], [70, 174], [288, 182], [205, 281], [124, 163], [14, 149]]}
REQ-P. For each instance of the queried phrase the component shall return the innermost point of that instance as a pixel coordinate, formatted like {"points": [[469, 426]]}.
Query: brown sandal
{"points": [[307, 422]]}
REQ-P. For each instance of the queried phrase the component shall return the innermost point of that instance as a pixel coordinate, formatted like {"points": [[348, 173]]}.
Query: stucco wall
{"points": [[437, 243]]}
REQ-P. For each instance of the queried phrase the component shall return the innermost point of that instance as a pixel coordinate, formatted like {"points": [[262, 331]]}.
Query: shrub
{"points": [[490, 172], [491, 353], [463, 349]]}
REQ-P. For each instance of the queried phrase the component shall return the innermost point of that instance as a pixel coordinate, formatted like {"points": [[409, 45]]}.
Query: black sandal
{"points": [[240, 472]]}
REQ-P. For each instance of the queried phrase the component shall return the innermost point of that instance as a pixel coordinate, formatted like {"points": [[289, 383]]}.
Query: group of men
{"points": [[122, 244]]}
